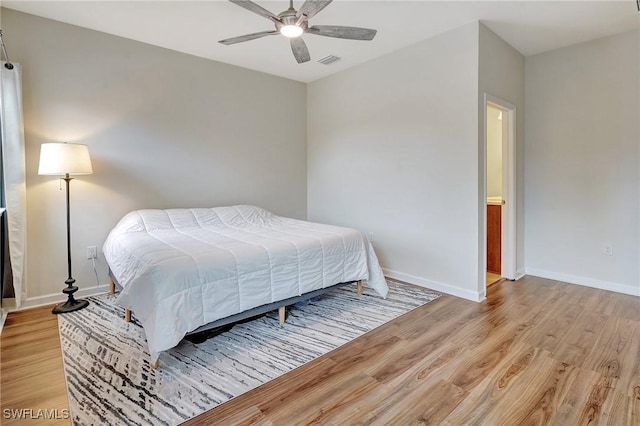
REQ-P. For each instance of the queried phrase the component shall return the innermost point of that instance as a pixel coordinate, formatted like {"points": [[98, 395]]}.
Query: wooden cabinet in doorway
{"points": [[494, 238]]}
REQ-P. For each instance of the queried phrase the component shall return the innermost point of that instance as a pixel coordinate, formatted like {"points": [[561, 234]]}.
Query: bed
{"points": [[181, 269]]}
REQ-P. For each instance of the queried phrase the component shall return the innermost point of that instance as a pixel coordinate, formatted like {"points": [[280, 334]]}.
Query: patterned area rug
{"points": [[109, 379]]}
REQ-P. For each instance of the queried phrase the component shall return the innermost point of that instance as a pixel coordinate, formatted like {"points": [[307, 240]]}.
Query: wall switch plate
{"points": [[92, 252], [607, 249], [371, 237]]}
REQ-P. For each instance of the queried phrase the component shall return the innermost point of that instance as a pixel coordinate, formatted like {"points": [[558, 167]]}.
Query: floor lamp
{"points": [[65, 159]]}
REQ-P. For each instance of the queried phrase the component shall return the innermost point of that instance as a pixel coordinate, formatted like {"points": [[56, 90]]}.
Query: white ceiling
{"points": [[194, 27]]}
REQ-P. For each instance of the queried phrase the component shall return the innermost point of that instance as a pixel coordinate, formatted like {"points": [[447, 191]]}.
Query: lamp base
{"points": [[70, 306]]}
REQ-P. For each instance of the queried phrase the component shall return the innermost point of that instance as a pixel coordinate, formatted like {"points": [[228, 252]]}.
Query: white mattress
{"points": [[183, 268]]}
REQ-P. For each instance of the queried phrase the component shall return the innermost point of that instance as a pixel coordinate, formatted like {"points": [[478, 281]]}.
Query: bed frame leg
{"points": [[359, 288], [112, 286], [127, 315], [156, 364], [281, 314]]}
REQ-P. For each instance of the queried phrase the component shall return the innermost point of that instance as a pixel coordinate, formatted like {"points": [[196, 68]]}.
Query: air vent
{"points": [[328, 60]]}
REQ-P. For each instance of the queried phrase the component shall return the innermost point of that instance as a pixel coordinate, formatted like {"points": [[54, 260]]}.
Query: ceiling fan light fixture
{"points": [[291, 31]]}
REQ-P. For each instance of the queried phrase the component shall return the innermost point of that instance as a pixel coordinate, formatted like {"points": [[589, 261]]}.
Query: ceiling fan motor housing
{"points": [[289, 17]]}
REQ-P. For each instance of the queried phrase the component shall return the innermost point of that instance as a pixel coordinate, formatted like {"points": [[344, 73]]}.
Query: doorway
{"points": [[499, 190]]}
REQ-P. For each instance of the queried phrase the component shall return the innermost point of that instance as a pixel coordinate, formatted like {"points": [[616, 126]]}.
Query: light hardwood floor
{"points": [[535, 352], [31, 374], [492, 278]]}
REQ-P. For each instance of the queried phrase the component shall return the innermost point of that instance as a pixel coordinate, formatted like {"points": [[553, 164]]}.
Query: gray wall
{"points": [[582, 168], [501, 73], [164, 130], [393, 150]]}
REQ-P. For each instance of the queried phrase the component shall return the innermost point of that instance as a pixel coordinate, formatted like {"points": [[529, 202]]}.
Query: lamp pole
{"points": [[71, 304]]}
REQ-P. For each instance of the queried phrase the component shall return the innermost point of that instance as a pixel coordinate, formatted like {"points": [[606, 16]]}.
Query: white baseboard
{"points": [[49, 299], [584, 281], [520, 273], [434, 285]]}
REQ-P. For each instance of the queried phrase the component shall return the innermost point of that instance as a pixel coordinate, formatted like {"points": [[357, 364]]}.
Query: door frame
{"points": [[509, 207]]}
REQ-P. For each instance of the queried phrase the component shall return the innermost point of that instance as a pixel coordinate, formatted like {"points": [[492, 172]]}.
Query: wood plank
{"points": [[413, 396], [629, 381], [575, 396], [608, 352], [532, 396], [335, 393], [580, 338], [555, 322], [426, 404], [616, 409], [480, 407], [31, 375], [492, 278], [249, 416]]}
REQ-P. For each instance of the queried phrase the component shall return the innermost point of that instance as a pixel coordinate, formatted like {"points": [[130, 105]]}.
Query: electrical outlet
{"points": [[371, 237], [92, 252], [607, 249]]}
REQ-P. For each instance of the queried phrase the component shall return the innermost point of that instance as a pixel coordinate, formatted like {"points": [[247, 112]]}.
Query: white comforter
{"points": [[183, 268]]}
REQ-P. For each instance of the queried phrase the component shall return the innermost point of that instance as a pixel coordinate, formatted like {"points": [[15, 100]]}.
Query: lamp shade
{"points": [[64, 158]]}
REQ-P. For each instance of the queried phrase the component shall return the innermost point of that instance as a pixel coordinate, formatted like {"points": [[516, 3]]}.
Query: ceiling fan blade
{"points": [[299, 49], [310, 7], [247, 37], [255, 8], [351, 33]]}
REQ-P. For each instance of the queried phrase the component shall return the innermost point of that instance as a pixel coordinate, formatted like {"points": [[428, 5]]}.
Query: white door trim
{"points": [[509, 228]]}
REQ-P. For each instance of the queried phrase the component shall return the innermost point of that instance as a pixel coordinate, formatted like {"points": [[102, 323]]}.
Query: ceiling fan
{"points": [[293, 24]]}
